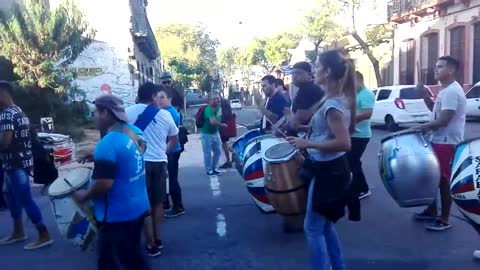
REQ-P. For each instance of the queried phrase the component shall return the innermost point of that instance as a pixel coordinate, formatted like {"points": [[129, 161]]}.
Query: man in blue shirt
{"points": [[165, 102], [362, 134], [276, 103], [118, 190]]}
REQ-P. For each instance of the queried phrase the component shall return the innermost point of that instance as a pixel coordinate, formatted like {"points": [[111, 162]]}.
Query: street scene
{"points": [[218, 134]]}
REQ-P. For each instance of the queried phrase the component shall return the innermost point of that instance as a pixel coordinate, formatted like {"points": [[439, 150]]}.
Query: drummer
{"points": [[118, 190], [275, 105], [447, 125], [327, 146], [305, 102]]}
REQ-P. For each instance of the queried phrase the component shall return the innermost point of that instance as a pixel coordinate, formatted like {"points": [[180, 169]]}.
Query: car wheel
{"points": [[390, 123]]}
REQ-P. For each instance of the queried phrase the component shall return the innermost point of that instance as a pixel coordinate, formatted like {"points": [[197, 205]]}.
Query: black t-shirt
{"points": [[18, 154], [308, 95], [276, 104]]}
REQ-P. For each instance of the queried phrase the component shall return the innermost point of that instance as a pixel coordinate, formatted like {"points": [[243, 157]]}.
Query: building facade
{"points": [[428, 29], [124, 53]]}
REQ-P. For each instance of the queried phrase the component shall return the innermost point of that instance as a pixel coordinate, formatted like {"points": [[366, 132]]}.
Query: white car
{"points": [[473, 101], [399, 104], [235, 104]]}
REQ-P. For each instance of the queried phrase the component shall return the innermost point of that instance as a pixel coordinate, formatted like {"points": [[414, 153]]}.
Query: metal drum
{"points": [[465, 181], [239, 146], [75, 222], [286, 191], [409, 169], [254, 169]]}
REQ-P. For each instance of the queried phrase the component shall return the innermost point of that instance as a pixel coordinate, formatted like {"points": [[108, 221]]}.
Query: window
{"points": [[407, 62], [374, 92], [429, 58], [476, 53], [410, 93], [457, 49], [474, 92], [383, 94]]}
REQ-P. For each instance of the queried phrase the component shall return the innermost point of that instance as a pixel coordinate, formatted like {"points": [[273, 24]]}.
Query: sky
{"points": [[222, 17]]}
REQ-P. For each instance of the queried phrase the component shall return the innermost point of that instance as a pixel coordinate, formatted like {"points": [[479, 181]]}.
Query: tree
{"points": [[189, 51], [320, 25], [39, 42], [374, 36], [229, 60]]}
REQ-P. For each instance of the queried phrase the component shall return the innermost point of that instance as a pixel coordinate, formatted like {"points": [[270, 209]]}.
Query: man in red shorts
{"points": [[447, 127]]}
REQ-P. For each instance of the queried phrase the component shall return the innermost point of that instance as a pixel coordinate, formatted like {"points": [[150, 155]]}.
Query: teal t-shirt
{"points": [[365, 100], [210, 112]]}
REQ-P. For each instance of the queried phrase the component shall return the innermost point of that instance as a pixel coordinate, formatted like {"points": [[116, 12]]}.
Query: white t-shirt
{"points": [[156, 133], [450, 98]]}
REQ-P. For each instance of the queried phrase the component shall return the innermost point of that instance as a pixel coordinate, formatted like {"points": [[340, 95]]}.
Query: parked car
{"points": [[399, 104], [473, 101], [235, 104]]}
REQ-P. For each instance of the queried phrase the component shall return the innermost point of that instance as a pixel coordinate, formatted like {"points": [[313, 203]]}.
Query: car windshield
{"points": [[474, 92], [410, 93]]}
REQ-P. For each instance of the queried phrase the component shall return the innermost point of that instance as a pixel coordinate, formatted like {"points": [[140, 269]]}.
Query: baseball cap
{"points": [[113, 104], [165, 75]]}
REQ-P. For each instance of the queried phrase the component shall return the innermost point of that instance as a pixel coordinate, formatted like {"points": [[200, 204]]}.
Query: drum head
{"points": [[70, 181], [280, 152], [401, 133]]}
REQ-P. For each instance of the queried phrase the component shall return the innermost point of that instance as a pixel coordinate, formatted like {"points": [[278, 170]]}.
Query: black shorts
{"points": [[224, 139], [156, 178]]}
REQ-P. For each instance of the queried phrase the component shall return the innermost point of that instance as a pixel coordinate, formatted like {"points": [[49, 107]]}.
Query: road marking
{"points": [[215, 186], [221, 224]]}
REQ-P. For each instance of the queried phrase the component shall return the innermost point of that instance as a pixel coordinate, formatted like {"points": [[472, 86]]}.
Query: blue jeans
{"points": [[211, 143], [16, 188], [322, 239]]}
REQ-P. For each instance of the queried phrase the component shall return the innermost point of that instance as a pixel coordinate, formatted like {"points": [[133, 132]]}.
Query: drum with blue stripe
{"points": [[465, 180], [239, 147], [409, 169], [254, 169]]}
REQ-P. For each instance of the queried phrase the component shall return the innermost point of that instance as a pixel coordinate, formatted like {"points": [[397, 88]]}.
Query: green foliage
{"points": [[378, 34], [189, 51], [38, 41], [206, 83]]}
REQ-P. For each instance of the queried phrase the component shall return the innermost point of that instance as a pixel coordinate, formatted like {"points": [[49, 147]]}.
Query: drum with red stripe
{"points": [[465, 180], [254, 169]]}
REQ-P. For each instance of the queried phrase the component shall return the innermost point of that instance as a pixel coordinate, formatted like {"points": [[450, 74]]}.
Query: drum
{"points": [[76, 223], [286, 191], [239, 146], [409, 169], [465, 180], [254, 169]]}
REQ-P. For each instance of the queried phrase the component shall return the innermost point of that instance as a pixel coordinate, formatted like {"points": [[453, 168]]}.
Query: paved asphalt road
{"points": [[224, 230]]}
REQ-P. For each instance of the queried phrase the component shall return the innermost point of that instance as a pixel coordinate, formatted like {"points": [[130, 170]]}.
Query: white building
{"points": [[428, 29]]}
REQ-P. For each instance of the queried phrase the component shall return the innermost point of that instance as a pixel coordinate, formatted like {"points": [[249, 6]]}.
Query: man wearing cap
{"points": [[178, 92], [118, 188], [158, 127]]}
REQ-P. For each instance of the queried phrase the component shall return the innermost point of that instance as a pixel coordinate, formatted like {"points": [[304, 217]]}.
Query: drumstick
{"points": [[68, 183]]}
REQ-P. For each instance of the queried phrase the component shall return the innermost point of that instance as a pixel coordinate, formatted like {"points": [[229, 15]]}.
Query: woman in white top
{"points": [[327, 145]]}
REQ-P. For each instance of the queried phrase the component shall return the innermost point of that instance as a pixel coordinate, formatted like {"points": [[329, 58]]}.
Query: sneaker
{"points": [[159, 244], [174, 212], [476, 254], [166, 205], [363, 195], [39, 244], [217, 172], [12, 240], [226, 165], [211, 173], [153, 251], [438, 225], [424, 216]]}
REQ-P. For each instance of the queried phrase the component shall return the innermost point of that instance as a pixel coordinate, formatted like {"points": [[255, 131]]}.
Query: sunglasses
{"points": [[167, 82]]}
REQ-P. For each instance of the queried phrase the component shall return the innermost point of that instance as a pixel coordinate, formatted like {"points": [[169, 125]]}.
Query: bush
{"points": [[69, 118]]}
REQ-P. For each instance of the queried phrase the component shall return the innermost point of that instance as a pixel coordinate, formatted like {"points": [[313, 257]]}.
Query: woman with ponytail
{"points": [[327, 144]]}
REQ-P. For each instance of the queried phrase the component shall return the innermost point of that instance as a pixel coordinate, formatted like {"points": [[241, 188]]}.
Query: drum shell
{"points": [[409, 170], [286, 191], [239, 145]]}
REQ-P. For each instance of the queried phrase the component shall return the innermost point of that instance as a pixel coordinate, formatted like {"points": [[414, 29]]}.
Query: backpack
{"points": [[199, 117], [44, 169]]}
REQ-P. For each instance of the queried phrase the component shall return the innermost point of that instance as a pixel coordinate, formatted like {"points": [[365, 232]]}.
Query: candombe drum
{"points": [[239, 146], [286, 191], [75, 222], [465, 180], [254, 169], [409, 169]]}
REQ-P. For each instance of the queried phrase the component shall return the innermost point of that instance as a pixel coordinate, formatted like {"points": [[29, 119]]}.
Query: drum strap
{"points": [[134, 137]]}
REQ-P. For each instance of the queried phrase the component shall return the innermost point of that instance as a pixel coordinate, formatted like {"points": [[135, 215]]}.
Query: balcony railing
{"points": [[399, 10], [142, 31]]}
